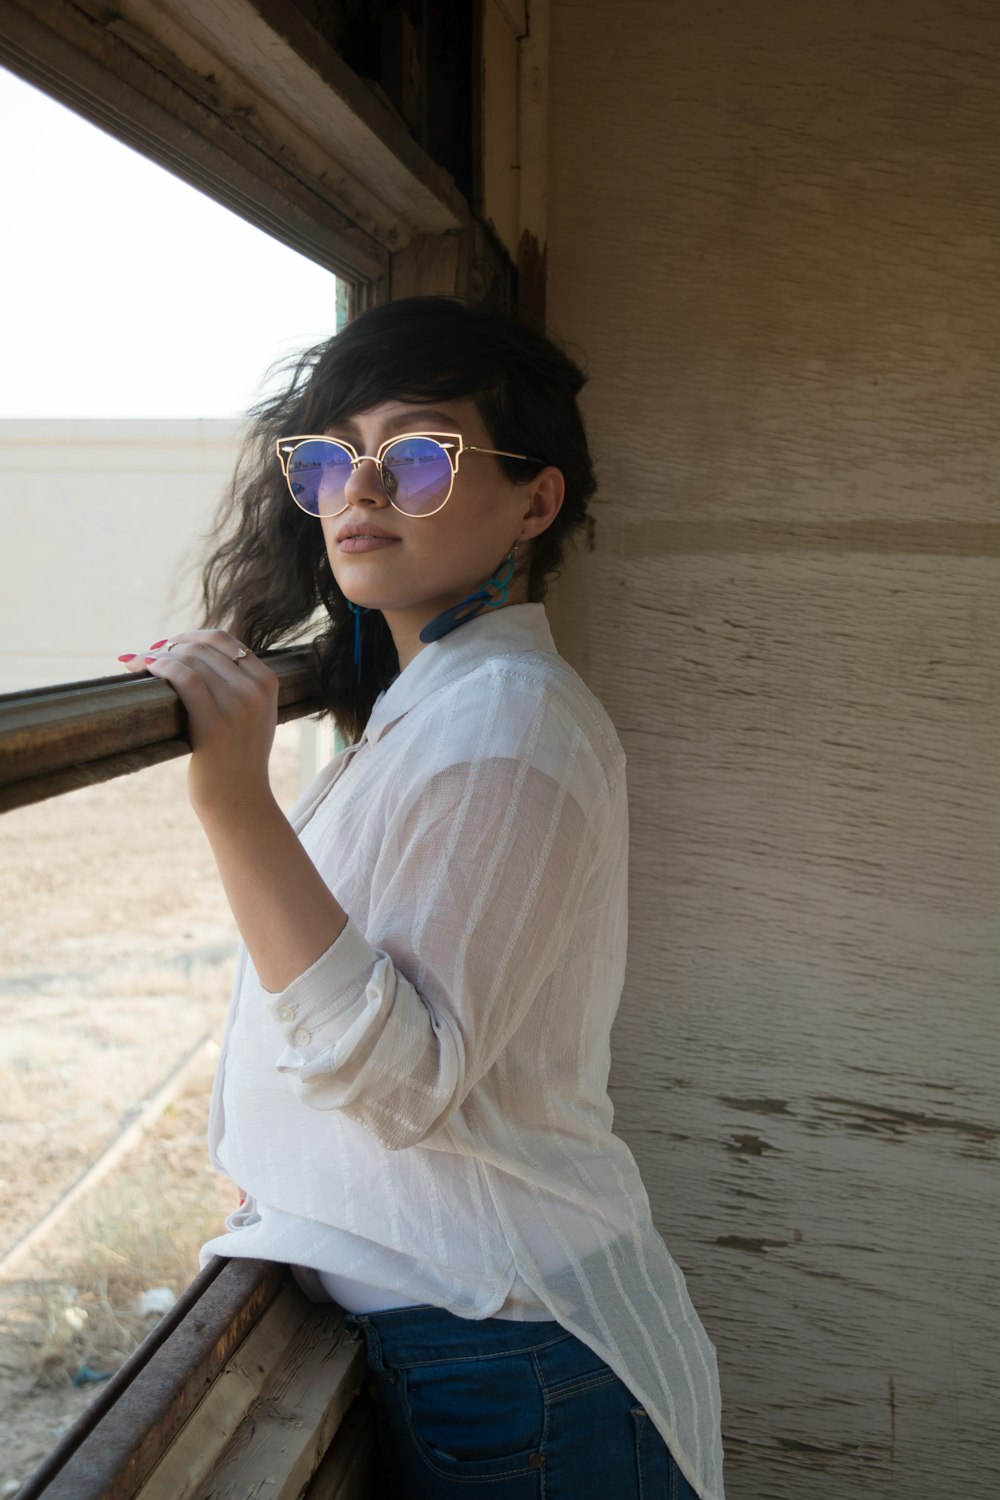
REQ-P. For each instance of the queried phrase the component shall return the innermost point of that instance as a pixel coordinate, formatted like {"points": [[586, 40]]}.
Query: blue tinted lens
{"points": [[317, 473], [416, 474]]}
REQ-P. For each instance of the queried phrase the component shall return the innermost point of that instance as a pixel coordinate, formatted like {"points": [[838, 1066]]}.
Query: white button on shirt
{"points": [[425, 1110]]}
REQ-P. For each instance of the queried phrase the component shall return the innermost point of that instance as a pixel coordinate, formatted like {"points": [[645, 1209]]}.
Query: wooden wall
{"points": [[774, 230]]}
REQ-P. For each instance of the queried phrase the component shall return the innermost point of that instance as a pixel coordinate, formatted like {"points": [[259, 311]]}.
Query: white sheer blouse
{"points": [[425, 1109]]}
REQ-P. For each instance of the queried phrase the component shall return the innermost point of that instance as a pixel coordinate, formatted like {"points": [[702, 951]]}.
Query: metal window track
{"points": [[56, 739]]}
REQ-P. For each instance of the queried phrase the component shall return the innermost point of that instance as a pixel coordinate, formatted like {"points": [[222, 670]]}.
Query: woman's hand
{"points": [[286, 913], [232, 704]]}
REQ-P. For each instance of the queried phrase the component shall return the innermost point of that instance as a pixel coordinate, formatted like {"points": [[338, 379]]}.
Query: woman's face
{"points": [[433, 561]]}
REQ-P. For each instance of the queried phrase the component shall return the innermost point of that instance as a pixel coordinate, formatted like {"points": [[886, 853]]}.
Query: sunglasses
{"points": [[417, 470]]}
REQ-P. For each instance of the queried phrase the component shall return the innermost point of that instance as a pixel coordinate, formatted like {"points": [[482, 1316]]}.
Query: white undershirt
{"points": [[360, 1296]]}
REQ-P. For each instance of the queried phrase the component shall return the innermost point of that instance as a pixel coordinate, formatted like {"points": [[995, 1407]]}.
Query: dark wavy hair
{"points": [[268, 573]]}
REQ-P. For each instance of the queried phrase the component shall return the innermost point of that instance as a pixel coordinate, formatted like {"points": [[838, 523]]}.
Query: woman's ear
{"points": [[546, 493]]}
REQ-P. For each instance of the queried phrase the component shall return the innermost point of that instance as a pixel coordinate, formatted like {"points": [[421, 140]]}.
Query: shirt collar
{"points": [[495, 632]]}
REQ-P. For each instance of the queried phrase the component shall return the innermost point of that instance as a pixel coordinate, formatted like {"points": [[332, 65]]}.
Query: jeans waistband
{"points": [[406, 1336]]}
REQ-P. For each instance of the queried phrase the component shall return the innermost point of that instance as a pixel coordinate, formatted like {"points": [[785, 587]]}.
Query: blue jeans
{"points": [[524, 1410]]}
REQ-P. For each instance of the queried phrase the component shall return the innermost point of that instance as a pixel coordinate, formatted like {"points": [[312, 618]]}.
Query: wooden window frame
{"points": [[247, 101]]}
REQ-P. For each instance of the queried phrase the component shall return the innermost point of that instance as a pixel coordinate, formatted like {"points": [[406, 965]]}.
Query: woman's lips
{"points": [[366, 543]]}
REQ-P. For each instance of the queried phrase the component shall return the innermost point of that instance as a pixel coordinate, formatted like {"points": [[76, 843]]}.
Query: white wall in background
{"points": [[100, 526]]}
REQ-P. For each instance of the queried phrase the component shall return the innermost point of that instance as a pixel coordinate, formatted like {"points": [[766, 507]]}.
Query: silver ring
{"points": [[171, 645], [240, 654]]}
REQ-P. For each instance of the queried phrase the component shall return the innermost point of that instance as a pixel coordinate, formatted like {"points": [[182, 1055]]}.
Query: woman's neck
{"points": [[405, 625]]}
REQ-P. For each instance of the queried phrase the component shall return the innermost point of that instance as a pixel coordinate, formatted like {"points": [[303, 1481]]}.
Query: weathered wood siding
{"points": [[774, 229]]}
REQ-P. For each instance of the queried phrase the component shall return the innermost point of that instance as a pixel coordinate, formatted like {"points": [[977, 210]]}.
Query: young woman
{"points": [[412, 1086]]}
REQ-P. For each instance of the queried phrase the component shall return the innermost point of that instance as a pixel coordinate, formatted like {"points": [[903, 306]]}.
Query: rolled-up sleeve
{"points": [[476, 891]]}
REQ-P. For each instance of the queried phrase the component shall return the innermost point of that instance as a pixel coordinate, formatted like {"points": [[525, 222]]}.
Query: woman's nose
{"points": [[364, 486]]}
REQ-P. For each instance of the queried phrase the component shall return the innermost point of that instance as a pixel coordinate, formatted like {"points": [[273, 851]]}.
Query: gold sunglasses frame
{"points": [[451, 443]]}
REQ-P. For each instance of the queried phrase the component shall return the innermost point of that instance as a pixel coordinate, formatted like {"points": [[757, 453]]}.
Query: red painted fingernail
{"points": [[129, 656], [148, 659], [157, 644]]}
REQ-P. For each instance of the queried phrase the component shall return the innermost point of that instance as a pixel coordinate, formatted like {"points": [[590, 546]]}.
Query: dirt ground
{"points": [[116, 956]]}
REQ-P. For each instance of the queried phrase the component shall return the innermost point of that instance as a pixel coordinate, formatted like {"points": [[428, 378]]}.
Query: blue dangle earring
{"points": [[489, 595], [357, 610]]}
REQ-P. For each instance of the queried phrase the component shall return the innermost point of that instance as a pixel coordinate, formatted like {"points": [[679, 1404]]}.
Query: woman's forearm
{"points": [[284, 910], [286, 914]]}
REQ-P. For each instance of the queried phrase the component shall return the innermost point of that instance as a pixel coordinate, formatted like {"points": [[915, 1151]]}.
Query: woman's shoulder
{"points": [[528, 705], [561, 688]]}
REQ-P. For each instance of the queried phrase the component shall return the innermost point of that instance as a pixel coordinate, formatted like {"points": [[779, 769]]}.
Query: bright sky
{"points": [[126, 292]]}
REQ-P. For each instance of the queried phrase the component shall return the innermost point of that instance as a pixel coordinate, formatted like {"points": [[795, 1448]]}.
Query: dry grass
{"points": [[139, 1229]]}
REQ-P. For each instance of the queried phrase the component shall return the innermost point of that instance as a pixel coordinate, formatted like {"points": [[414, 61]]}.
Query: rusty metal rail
{"points": [[56, 739]]}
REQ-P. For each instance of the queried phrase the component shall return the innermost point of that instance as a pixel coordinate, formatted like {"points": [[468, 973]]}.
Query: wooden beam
{"points": [[181, 1471], [307, 1390], [248, 102], [272, 1410], [348, 1470]]}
